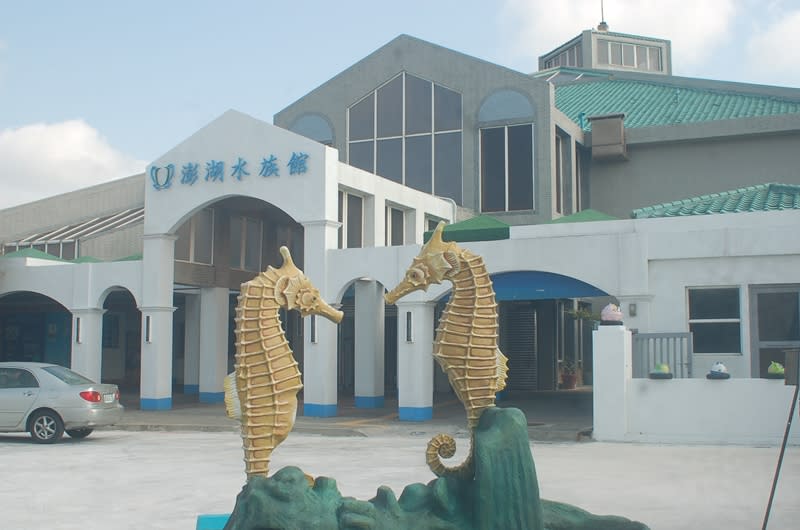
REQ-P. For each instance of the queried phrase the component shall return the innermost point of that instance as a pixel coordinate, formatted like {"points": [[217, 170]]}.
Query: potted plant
{"points": [[569, 374]]}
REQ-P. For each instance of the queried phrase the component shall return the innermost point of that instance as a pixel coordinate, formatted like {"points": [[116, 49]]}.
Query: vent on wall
{"points": [[608, 137]]}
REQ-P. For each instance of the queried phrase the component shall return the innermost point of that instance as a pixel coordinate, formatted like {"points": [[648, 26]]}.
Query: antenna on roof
{"points": [[602, 26]]}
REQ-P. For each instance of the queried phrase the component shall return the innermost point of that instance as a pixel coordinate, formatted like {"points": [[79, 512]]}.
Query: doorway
{"points": [[775, 323]]}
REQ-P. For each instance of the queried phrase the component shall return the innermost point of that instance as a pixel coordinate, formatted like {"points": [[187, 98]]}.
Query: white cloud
{"points": [[42, 160], [770, 50], [697, 29]]}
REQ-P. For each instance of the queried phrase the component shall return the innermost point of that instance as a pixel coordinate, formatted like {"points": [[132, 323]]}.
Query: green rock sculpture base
{"points": [[503, 494]]}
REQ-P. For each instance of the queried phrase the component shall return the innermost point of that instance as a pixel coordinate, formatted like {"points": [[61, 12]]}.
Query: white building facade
{"points": [[135, 281]]}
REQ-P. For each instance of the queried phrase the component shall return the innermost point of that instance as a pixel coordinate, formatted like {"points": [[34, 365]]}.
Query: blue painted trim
{"points": [[212, 397], [212, 521], [155, 403], [369, 402], [320, 411], [191, 389], [500, 396], [416, 413]]}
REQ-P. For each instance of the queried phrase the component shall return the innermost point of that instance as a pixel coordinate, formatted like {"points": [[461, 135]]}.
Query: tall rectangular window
{"points": [[235, 242], [559, 177], [341, 219], [395, 226], [507, 174], [195, 242], [252, 245], [204, 237], [493, 169], [351, 215], [520, 167], [447, 165], [715, 320], [184, 241]]}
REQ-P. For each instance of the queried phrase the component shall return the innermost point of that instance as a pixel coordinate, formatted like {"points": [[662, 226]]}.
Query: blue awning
{"points": [[537, 285]]}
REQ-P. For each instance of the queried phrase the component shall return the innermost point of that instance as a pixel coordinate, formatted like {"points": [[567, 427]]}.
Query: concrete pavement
{"points": [[553, 417], [161, 470], [125, 480]]}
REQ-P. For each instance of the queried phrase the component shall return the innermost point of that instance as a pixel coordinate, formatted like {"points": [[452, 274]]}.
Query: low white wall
{"points": [[731, 411]]}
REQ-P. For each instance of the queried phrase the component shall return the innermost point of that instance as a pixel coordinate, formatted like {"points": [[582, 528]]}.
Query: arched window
{"points": [[315, 127], [507, 152]]}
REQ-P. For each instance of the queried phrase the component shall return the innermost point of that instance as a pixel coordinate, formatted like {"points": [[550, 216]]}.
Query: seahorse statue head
{"points": [[294, 290], [437, 261]]}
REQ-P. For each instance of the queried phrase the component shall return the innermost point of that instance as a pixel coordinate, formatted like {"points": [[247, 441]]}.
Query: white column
{"points": [[320, 384], [157, 283], [612, 374], [213, 343], [191, 346], [369, 355], [415, 360], [87, 342]]}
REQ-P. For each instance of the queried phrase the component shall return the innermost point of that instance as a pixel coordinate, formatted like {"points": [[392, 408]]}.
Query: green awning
{"points": [[479, 228], [32, 253]]}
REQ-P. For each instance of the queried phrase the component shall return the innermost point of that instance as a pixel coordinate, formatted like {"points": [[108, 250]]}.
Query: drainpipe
{"points": [[453, 204]]}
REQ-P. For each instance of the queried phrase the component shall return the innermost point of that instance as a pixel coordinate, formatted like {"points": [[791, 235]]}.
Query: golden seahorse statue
{"points": [[267, 377], [466, 339]]}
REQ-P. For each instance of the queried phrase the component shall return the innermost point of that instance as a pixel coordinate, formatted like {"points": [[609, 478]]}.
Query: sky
{"points": [[92, 91]]}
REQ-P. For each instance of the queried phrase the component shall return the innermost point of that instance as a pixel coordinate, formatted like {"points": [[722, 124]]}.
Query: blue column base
{"points": [[212, 521], [320, 411], [155, 403], [212, 397], [369, 402], [191, 389], [415, 413]]}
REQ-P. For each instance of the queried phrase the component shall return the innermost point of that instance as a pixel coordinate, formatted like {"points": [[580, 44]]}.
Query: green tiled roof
{"points": [[760, 198], [649, 104]]}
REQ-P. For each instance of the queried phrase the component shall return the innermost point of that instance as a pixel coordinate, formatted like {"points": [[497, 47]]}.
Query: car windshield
{"points": [[67, 375]]}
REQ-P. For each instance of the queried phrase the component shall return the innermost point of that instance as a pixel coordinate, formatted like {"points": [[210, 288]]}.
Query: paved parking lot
{"points": [[163, 480]]}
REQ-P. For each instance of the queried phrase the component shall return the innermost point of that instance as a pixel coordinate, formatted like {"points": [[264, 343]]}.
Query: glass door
{"points": [[776, 325]]}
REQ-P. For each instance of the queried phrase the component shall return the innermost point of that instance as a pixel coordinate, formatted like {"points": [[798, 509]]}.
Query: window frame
{"points": [[241, 263], [404, 135], [718, 320], [606, 57], [389, 226], [343, 197], [193, 234], [506, 182]]}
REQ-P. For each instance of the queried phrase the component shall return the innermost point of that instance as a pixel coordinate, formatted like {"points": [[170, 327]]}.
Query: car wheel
{"points": [[46, 427], [79, 433]]}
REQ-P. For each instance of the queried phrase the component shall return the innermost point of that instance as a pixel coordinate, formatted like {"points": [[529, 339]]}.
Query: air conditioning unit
{"points": [[608, 137]]}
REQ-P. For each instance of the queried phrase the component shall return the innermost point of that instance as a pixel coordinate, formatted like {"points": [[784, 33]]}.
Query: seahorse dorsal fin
{"points": [[287, 257], [437, 233], [501, 372]]}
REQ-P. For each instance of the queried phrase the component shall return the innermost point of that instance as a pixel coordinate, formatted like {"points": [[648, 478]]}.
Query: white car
{"points": [[47, 400]]}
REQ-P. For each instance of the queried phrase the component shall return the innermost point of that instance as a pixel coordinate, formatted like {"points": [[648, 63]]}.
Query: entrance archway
{"points": [[121, 341], [34, 327]]}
